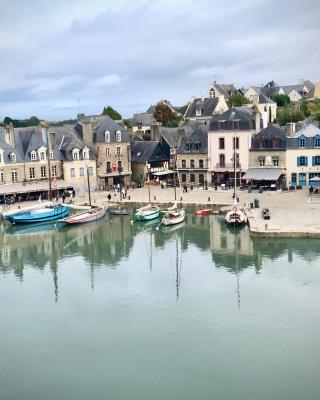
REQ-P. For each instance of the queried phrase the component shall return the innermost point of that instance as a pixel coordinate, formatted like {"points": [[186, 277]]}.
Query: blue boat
{"points": [[44, 214]]}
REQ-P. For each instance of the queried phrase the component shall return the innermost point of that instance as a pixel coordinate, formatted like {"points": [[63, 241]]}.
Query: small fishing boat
{"points": [[170, 209], [235, 217], [151, 211], [174, 217], [206, 211], [118, 211], [39, 215], [94, 214]]}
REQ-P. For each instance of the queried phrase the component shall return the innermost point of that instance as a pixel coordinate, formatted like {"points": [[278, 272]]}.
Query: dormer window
{"points": [[262, 143], [316, 141], [76, 154], [235, 124], [118, 136], [302, 142], [12, 157], [107, 136], [198, 112], [33, 155], [187, 146], [1, 156], [212, 93], [221, 125], [85, 153], [51, 155], [275, 142]]}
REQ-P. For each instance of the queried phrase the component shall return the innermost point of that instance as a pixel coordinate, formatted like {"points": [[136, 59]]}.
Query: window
{"points": [[187, 146], [316, 141], [183, 164], [51, 155], [236, 141], [118, 151], [201, 179], [1, 177], [81, 171], [183, 178], [302, 141], [54, 172], [75, 154], [107, 136], [275, 143], [72, 173], [191, 163], [32, 174], [139, 125], [262, 161], [275, 161], [262, 143], [222, 160], [85, 153], [198, 111], [221, 143], [43, 172], [118, 136], [316, 161], [200, 163], [13, 158], [302, 161], [302, 179], [42, 156], [294, 179], [192, 178], [108, 167], [212, 93], [221, 125], [1, 156], [119, 166], [14, 176], [237, 160], [196, 146], [90, 171], [235, 124], [33, 156], [108, 151]]}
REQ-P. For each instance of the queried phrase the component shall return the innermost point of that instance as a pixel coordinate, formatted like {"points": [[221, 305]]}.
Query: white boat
{"points": [[174, 217], [151, 211], [235, 217], [170, 209], [94, 214]]}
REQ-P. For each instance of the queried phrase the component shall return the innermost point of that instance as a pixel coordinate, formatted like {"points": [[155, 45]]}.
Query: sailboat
{"points": [[93, 214], [148, 212], [235, 216]]}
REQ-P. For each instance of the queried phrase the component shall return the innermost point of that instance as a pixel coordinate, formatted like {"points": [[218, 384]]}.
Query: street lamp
{"points": [[119, 156]]}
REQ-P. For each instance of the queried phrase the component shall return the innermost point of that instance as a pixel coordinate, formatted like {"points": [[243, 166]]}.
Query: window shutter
{"points": [[298, 161], [313, 161], [306, 161]]}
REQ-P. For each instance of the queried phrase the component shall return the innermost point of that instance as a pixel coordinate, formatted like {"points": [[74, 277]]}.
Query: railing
{"points": [[227, 165]]}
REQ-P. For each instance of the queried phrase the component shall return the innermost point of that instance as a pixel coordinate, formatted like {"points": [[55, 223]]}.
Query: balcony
{"points": [[227, 166]]}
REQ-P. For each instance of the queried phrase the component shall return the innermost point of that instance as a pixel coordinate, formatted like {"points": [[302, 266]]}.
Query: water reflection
{"points": [[109, 242]]}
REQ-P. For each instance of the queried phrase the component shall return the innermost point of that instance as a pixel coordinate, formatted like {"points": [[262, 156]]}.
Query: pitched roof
{"points": [[141, 152], [225, 89], [206, 105], [244, 115], [197, 142], [145, 119], [171, 135], [309, 130], [263, 99], [270, 132]]}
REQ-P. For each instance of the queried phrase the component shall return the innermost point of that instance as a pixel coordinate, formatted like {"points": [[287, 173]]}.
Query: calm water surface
{"points": [[115, 311]]}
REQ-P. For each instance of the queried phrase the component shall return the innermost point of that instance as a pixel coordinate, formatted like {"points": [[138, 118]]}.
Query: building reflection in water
{"points": [[109, 242]]}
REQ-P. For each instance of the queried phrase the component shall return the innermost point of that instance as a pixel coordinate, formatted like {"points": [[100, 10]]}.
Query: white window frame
{"points": [[72, 172], [43, 171], [51, 155], [14, 176], [33, 155], [76, 154], [33, 174], [108, 151], [118, 151], [118, 136], [13, 157], [81, 171], [85, 153], [54, 171], [107, 136]]}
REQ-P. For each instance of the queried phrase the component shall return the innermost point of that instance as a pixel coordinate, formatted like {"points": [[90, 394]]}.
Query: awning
{"points": [[161, 173], [263, 174]]}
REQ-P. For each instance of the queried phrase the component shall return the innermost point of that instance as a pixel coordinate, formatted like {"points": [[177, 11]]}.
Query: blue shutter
{"points": [[298, 161], [306, 161], [313, 161]]}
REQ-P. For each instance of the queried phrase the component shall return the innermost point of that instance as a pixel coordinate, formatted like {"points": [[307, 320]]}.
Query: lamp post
{"points": [[119, 156]]}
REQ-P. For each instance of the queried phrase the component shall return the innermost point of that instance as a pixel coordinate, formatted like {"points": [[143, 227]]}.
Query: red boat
{"points": [[207, 211]]}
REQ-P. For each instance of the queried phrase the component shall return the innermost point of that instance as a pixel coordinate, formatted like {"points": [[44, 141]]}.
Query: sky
{"points": [[62, 57]]}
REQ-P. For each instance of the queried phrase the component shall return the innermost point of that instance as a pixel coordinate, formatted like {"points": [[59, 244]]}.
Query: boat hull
{"points": [[147, 215], [84, 218], [174, 218], [235, 218], [39, 216], [118, 212], [207, 211]]}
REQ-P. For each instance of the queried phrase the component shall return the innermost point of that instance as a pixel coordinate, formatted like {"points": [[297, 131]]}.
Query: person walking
{"points": [[109, 197]]}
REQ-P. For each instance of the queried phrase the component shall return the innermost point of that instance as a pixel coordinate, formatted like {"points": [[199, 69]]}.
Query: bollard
{"points": [[154, 198], [129, 197], [180, 198], [208, 199], [266, 227]]}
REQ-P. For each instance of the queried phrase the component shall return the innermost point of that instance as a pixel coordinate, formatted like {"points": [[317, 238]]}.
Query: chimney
{"points": [[87, 137], [180, 134], [156, 130], [255, 99], [80, 117], [10, 135], [52, 139], [44, 128], [292, 128], [257, 118]]}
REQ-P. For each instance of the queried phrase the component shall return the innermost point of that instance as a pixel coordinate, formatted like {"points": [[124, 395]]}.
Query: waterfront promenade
{"points": [[292, 213]]}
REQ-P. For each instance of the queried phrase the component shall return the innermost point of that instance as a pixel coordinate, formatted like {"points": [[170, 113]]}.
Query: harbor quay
{"points": [[293, 213]]}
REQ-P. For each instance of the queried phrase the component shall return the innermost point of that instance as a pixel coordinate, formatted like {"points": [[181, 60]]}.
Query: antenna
{"points": [[79, 104]]}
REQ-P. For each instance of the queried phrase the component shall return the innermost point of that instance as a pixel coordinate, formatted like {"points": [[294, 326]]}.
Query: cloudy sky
{"points": [[64, 56]]}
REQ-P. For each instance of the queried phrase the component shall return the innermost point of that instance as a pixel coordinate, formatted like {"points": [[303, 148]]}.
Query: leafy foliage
{"points": [[289, 114], [163, 114], [282, 100], [314, 109], [112, 113], [174, 123], [22, 123], [128, 123], [237, 100]]}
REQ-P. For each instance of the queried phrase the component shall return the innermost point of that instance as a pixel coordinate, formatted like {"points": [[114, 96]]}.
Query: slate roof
{"points": [[197, 142], [299, 88], [263, 99], [108, 124], [207, 105], [171, 135], [225, 89], [309, 130], [268, 134], [244, 115], [145, 119], [147, 151]]}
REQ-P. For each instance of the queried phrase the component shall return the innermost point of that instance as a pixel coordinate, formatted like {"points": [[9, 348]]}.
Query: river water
{"points": [[111, 310]]}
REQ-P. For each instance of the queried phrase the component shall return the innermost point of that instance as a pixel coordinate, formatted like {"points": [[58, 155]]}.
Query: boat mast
{"points": [[174, 172], [45, 125], [89, 193], [234, 164], [148, 174]]}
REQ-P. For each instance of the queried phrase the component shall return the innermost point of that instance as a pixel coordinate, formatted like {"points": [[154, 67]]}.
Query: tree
{"points": [[128, 123], [175, 122], [7, 121], [314, 109], [282, 100], [289, 114], [112, 113], [163, 114], [237, 100]]}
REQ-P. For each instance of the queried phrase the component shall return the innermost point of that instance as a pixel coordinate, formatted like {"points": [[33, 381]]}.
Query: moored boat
{"points": [[206, 211], [118, 211], [39, 215], [151, 211], [174, 217], [170, 209], [94, 214], [235, 217]]}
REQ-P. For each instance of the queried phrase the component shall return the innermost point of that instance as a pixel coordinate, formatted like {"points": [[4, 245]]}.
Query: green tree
{"points": [[128, 123], [7, 121], [289, 114], [314, 109], [112, 113], [237, 100], [282, 100], [163, 114], [174, 123]]}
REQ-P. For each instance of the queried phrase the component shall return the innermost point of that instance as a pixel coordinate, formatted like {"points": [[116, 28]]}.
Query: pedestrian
{"points": [[73, 193], [63, 197], [123, 193], [109, 197], [126, 192], [118, 187]]}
